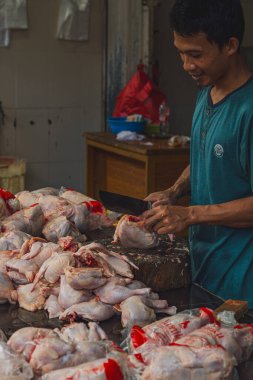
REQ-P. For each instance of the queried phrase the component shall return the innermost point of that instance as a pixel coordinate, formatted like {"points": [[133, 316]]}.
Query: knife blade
{"points": [[123, 204]]}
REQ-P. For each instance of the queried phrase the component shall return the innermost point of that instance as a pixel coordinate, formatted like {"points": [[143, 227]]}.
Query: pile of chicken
{"points": [[189, 345], [63, 274]]}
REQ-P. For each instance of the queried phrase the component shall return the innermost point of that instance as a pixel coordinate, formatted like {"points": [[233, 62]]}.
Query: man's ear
{"points": [[232, 46]]}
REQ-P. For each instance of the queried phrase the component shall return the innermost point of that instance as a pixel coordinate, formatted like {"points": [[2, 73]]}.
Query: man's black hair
{"points": [[218, 19]]}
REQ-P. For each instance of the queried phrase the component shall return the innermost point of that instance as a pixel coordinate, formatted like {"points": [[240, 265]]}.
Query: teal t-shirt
{"points": [[222, 171]]}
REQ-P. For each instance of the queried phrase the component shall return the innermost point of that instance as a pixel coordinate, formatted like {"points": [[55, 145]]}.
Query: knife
{"points": [[123, 204]]}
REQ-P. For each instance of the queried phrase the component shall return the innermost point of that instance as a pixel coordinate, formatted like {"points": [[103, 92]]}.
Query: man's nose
{"points": [[187, 64]]}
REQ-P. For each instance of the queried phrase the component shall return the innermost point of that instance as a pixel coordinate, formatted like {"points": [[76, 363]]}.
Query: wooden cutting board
{"points": [[164, 267], [240, 308]]}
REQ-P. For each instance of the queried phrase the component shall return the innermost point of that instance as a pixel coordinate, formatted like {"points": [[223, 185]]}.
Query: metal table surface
{"points": [[13, 317]]}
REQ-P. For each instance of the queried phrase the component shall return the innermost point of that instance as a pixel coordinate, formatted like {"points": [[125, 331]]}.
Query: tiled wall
{"points": [[51, 92]]}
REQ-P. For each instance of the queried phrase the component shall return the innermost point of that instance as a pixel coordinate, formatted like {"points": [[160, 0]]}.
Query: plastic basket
{"points": [[118, 124], [12, 174]]}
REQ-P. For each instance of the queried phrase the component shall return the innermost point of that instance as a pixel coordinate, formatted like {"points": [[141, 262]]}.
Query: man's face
{"points": [[205, 62]]}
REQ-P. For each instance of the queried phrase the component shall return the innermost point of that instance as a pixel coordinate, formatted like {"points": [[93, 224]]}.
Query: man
{"points": [[207, 35]]}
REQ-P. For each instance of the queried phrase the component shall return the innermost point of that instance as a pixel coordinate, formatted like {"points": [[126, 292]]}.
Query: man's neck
{"points": [[237, 75]]}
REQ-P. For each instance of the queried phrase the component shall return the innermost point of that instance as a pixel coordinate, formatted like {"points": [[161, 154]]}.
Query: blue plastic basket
{"points": [[118, 124]]}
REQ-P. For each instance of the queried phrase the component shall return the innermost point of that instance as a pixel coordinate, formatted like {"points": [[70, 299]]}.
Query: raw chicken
{"points": [[39, 251], [60, 226], [53, 267], [96, 332], [69, 296], [13, 240], [115, 291], [75, 332], [53, 307], [28, 268], [27, 198], [47, 191], [6, 256], [96, 255], [180, 363], [21, 341], [237, 340], [93, 310], [101, 369], [135, 312], [78, 332], [68, 243], [170, 329], [6, 288], [48, 353], [29, 220], [131, 232], [73, 196], [84, 278], [8, 203], [13, 366], [29, 297], [53, 206]]}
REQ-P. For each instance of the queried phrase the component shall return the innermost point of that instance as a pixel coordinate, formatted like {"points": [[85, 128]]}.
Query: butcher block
{"points": [[164, 267]]}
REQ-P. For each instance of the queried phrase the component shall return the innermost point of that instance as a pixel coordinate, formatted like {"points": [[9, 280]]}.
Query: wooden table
{"points": [[131, 168]]}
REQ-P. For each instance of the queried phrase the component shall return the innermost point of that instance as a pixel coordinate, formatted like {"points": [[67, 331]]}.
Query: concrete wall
{"points": [[52, 91]]}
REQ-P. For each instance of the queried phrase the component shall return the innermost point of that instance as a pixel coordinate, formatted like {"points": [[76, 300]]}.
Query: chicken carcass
{"points": [[27, 268], [181, 362], [131, 232], [27, 198], [101, 369], [8, 203], [13, 240], [69, 296], [93, 310], [78, 332], [84, 278], [6, 256], [13, 366], [115, 291], [96, 255], [29, 297], [170, 329], [73, 195], [21, 340], [6, 288], [39, 251], [237, 340], [59, 227], [54, 267], [135, 312], [29, 220], [53, 307], [47, 354]]}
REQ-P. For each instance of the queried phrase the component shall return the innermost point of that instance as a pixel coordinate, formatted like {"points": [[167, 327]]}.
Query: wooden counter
{"points": [[131, 168]]}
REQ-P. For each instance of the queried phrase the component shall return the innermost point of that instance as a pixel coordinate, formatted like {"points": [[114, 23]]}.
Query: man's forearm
{"points": [[182, 185], [235, 214]]}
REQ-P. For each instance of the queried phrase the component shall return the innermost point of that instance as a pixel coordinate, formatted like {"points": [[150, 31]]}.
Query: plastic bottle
{"points": [[164, 113]]}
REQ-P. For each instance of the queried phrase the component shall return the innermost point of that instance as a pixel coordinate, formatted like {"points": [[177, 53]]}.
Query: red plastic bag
{"points": [[139, 96]]}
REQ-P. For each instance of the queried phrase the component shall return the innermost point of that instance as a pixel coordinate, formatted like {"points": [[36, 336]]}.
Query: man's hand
{"points": [[167, 219], [161, 198]]}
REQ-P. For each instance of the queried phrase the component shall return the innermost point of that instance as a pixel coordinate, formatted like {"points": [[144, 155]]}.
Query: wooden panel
{"points": [[168, 169], [125, 176]]}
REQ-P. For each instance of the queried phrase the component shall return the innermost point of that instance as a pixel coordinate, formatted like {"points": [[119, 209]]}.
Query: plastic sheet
{"points": [[13, 15], [73, 20]]}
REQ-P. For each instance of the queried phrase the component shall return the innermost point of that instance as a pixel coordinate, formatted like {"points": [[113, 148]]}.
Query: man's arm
{"points": [[180, 188], [173, 219]]}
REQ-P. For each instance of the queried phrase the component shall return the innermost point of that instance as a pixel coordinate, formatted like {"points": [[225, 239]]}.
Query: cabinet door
{"points": [[248, 14]]}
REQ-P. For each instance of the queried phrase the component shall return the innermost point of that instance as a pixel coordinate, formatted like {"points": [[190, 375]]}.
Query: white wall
{"points": [[52, 91]]}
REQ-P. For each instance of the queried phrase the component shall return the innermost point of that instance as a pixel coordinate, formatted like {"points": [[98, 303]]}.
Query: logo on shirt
{"points": [[218, 150]]}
